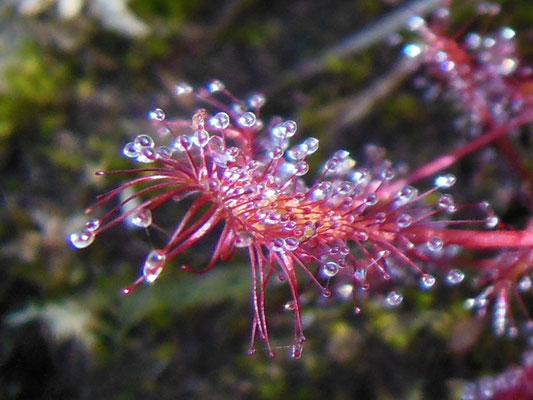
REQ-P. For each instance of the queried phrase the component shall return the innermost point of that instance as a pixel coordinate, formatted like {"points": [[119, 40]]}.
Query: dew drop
{"points": [[157, 115], [278, 244], [298, 152], [142, 218], [276, 153], [289, 306], [345, 187], [446, 203], [256, 100], [200, 138], [360, 274], [331, 165], [243, 239], [182, 89], [394, 299], [312, 145], [153, 265], [147, 155], [182, 143], [491, 221], [130, 150], [219, 120], [455, 276], [247, 120], [291, 244], [380, 217], [445, 181], [435, 244], [412, 50], [92, 225], [371, 199], [301, 168], [415, 22], [331, 269], [143, 141], [362, 236], [296, 351], [404, 221], [290, 128], [215, 86], [164, 152], [82, 239], [427, 281], [387, 174], [524, 284]]}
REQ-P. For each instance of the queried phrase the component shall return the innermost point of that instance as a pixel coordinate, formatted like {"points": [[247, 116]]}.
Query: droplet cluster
{"points": [[351, 228]]}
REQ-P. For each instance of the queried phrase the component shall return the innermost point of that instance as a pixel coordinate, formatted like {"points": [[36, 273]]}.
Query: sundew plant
{"points": [[349, 229]]}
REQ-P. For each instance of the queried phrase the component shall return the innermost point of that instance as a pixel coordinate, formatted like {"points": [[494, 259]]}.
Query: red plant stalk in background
{"points": [[349, 224]]}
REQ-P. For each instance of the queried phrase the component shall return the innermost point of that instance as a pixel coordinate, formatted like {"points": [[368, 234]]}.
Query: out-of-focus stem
{"points": [[449, 159], [359, 41]]}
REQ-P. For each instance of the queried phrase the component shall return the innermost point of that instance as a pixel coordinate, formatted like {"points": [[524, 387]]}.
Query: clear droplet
{"points": [[331, 269], [153, 265], [394, 299], [290, 128], [276, 153], [147, 155], [298, 152], [360, 274], [455, 276], [143, 141], [278, 244], [362, 236], [331, 165], [182, 89], [302, 168], [371, 199], [157, 115], [182, 143], [256, 100], [130, 150], [427, 281], [289, 306], [345, 187], [200, 138], [243, 239], [435, 244], [412, 50], [446, 203], [215, 86], [380, 217], [524, 284], [92, 225], [445, 181], [291, 244], [491, 221], [247, 120], [404, 221], [219, 120], [142, 218], [82, 239], [312, 145], [164, 152], [387, 174], [296, 351]]}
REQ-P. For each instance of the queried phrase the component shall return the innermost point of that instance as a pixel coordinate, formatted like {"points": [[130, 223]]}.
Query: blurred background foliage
{"points": [[77, 78]]}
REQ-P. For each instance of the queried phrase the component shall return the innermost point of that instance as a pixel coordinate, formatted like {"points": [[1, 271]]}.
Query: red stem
{"points": [[452, 157], [474, 239]]}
